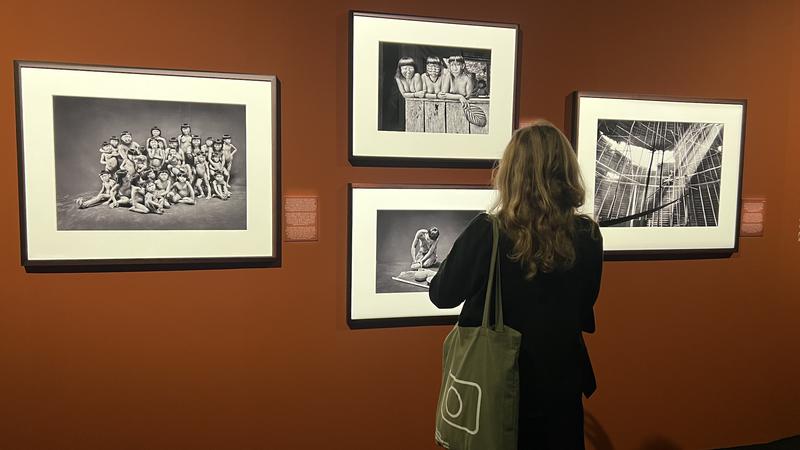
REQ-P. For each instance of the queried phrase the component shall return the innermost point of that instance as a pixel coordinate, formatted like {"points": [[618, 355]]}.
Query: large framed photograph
{"points": [[399, 235], [144, 167], [430, 92], [662, 174]]}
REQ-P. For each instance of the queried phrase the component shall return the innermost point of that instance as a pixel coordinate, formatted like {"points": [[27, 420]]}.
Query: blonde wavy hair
{"points": [[539, 190]]}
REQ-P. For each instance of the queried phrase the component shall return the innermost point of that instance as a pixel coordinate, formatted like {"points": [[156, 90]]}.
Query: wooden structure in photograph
{"points": [[425, 115]]}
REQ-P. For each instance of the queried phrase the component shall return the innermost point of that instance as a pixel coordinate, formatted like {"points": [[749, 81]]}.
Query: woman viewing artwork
{"points": [[550, 260]]}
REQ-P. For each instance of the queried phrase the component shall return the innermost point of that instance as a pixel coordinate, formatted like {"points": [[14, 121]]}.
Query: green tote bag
{"points": [[479, 397]]}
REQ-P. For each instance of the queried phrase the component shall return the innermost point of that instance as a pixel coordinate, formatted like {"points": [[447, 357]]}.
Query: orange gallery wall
{"points": [[689, 354]]}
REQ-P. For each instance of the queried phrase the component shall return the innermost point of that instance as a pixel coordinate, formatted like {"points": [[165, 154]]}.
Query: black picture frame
{"points": [[30, 85], [380, 152], [362, 295], [688, 228]]}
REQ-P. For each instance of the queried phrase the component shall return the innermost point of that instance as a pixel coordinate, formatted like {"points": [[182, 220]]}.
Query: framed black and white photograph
{"points": [[662, 175], [430, 92], [128, 166], [399, 236]]}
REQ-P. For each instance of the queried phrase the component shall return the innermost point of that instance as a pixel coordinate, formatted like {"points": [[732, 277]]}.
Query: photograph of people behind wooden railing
{"points": [[433, 89]]}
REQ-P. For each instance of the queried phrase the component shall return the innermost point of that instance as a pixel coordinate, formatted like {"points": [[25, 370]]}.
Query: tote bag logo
{"points": [[461, 404]]}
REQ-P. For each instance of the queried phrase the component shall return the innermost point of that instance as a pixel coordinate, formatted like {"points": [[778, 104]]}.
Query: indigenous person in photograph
{"points": [[208, 147], [127, 144], [109, 157], [202, 176], [174, 162], [127, 148], [153, 199], [228, 150], [482, 90], [139, 182], [436, 83], [185, 139], [172, 144], [550, 261], [461, 84], [215, 162], [156, 164], [423, 248], [153, 203], [408, 80], [216, 149], [221, 188], [181, 190], [154, 149], [114, 143], [219, 152], [107, 187], [195, 149], [163, 185], [128, 163], [155, 135], [122, 193]]}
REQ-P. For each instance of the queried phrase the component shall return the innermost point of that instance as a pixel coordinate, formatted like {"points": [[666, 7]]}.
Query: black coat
{"points": [[550, 311]]}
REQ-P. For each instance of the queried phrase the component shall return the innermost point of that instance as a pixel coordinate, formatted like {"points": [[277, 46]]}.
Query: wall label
{"points": [[301, 218], [754, 213]]}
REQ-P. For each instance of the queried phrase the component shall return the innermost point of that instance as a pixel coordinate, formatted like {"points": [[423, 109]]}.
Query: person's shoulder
{"points": [[476, 234], [586, 224], [588, 231], [479, 225]]}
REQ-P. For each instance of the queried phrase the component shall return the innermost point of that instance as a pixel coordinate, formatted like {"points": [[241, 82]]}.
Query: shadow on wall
{"points": [[598, 439], [658, 443], [596, 436]]}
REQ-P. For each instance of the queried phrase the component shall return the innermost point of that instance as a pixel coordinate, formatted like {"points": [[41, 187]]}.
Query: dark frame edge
{"points": [[350, 321], [657, 98], [741, 178], [399, 16], [350, 17], [656, 255], [517, 77], [571, 119], [193, 73], [438, 163], [277, 171], [23, 221], [149, 265], [364, 324]]}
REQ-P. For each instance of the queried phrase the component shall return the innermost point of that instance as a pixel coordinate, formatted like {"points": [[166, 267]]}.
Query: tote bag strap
{"points": [[498, 292], [494, 282]]}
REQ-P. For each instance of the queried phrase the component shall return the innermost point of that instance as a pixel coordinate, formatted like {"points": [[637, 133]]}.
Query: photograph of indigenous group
{"points": [[125, 164], [411, 245], [658, 174], [433, 89]]}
